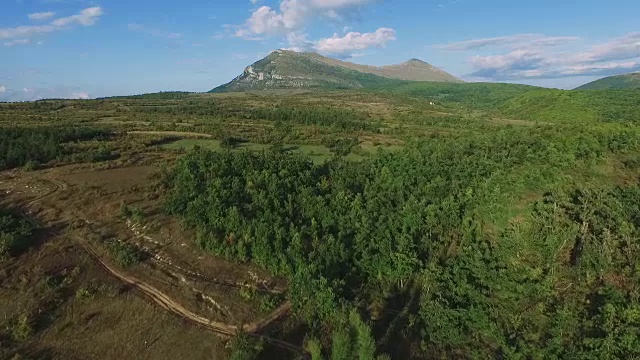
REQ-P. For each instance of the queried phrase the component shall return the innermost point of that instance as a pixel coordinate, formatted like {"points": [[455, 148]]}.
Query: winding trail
{"points": [[171, 133], [167, 303]]}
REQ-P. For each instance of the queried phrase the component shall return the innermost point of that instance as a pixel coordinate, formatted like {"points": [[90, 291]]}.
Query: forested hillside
{"points": [[620, 82], [570, 106], [529, 102], [496, 245]]}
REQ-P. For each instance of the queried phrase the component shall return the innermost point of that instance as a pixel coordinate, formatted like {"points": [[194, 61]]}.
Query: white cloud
{"points": [[41, 15], [341, 46], [87, 17], [354, 41], [612, 57], [17, 42], [622, 48], [25, 31], [514, 41], [3, 89], [292, 15], [254, 2], [265, 21], [298, 42], [80, 95]]}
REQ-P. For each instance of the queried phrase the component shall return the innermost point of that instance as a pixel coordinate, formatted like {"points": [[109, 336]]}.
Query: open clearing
{"points": [[204, 292]]}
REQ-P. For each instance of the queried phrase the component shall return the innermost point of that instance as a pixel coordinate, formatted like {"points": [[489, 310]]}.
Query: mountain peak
{"points": [[284, 69], [620, 82], [415, 61]]}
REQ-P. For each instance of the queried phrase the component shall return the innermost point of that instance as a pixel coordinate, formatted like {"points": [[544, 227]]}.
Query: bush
{"points": [[124, 254], [101, 154], [342, 146], [14, 234], [31, 166], [244, 347], [135, 214], [229, 142], [21, 329], [85, 293]]}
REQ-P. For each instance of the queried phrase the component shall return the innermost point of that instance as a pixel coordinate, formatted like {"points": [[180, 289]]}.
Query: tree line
{"points": [[20, 146]]}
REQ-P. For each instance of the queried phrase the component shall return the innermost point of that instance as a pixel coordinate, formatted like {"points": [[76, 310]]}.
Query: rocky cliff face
{"points": [[256, 78]]}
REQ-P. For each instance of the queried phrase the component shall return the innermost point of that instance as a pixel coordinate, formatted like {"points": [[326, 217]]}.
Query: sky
{"points": [[96, 48]]}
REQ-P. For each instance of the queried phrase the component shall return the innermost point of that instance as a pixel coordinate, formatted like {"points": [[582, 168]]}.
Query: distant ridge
{"points": [[284, 69], [620, 82]]}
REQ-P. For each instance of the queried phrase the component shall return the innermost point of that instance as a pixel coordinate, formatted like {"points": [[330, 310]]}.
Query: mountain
{"points": [[283, 69], [626, 81]]}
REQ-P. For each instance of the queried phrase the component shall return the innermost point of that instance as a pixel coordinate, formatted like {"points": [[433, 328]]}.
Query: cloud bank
{"points": [[32, 94], [342, 46], [517, 41], [23, 34], [41, 15], [530, 56]]}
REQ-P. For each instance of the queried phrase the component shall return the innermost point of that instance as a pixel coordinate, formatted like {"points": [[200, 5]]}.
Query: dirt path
{"points": [[172, 133], [170, 305], [173, 306]]}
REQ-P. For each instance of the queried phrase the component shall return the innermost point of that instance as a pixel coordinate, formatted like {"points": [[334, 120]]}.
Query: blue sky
{"points": [[91, 48]]}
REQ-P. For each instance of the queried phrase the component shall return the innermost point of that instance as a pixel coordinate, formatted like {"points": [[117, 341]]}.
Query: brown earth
{"points": [[80, 208]]}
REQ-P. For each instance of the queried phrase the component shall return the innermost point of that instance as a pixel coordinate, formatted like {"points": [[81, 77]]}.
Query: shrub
{"points": [[342, 147], [21, 329], [85, 293], [135, 214], [14, 234], [31, 165], [229, 142], [244, 347], [124, 254]]}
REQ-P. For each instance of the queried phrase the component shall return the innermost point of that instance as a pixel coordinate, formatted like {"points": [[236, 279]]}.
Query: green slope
{"points": [[575, 106], [485, 96], [528, 102], [626, 81]]}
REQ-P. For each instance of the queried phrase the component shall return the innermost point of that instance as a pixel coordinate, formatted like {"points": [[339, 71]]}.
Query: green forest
{"points": [[504, 244], [33, 146]]}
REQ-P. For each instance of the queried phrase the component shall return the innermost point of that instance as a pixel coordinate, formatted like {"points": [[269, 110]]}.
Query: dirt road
{"points": [[172, 133], [171, 305]]}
